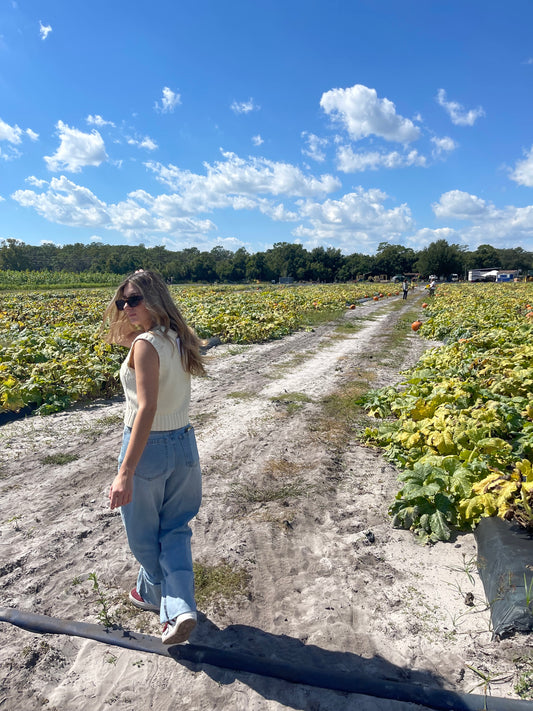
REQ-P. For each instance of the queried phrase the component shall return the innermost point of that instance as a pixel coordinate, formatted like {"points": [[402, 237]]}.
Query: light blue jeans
{"points": [[167, 491]]}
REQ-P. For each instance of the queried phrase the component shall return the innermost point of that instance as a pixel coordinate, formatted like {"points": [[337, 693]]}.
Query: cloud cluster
{"points": [[169, 101], [523, 172], [44, 30], [357, 218], [488, 224], [314, 205], [362, 117], [76, 150], [244, 107], [457, 113]]}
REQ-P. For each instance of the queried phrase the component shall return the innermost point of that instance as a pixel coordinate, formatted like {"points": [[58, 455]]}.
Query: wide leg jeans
{"points": [[167, 491]]}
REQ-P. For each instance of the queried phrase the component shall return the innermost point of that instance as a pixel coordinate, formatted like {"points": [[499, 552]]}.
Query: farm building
{"points": [[493, 274]]}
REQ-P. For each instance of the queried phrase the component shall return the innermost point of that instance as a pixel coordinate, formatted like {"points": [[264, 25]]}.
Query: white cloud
{"points": [[457, 113], [523, 172], [244, 107], [314, 146], [12, 134], [489, 224], [76, 150], [44, 30], [257, 140], [458, 205], [32, 135], [66, 203], [234, 177], [443, 145], [169, 101], [362, 114], [36, 182], [97, 120], [145, 142], [350, 162], [357, 222]]}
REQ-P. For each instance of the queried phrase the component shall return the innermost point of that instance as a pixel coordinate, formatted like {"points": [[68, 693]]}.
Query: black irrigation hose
{"points": [[434, 698]]}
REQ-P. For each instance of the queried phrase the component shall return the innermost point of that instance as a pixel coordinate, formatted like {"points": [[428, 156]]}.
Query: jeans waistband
{"points": [[169, 433]]}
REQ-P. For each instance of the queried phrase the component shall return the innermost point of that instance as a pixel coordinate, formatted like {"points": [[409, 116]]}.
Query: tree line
{"points": [[282, 260]]}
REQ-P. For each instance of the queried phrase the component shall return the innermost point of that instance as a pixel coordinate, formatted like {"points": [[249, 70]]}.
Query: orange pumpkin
{"points": [[376, 298], [352, 306], [416, 325], [529, 314], [424, 305]]}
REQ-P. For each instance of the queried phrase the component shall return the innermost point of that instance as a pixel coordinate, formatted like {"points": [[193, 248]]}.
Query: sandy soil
{"points": [[331, 585]]}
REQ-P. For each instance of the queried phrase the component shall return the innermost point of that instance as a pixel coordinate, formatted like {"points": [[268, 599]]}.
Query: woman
{"points": [[158, 485]]}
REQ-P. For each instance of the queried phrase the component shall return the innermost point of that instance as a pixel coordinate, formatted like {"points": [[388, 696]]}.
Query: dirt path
{"points": [[303, 514]]}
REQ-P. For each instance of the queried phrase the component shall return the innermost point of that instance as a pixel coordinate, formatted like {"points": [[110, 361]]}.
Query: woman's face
{"points": [[138, 314]]}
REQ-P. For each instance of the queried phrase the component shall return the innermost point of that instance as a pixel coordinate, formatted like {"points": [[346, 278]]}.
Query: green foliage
{"points": [[461, 423], [51, 354]]}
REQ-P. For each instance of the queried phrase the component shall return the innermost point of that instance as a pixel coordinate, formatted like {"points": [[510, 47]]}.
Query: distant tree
{"points": [[484, 257], [516, 258], [355, 266], [440, 258], [256, 268], [14, 255], [324, 264], [285, 259], [392, 259]]}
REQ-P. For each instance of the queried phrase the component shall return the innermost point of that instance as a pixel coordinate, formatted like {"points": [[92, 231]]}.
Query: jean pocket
{"points": [[190, 448], [155, 460]]}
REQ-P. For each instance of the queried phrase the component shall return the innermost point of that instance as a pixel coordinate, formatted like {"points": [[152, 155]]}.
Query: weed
{"points": [[101, 425], [529, 591], [260, 495], [487, 679], [103, 614], [15, 521], [219, 583], [524, 683], [467, 567], [241, 395], [60, 458], [280, 468], [292, 401]]}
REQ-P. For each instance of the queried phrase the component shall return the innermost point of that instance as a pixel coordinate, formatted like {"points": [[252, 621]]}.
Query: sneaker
{"points": [[178, 630], [137, 600]]}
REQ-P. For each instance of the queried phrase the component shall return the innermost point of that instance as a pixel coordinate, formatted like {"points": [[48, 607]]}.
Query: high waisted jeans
{"points": [[167, 490]]}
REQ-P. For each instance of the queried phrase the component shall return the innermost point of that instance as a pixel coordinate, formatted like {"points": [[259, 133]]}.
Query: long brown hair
{"points": [[164, 312]]}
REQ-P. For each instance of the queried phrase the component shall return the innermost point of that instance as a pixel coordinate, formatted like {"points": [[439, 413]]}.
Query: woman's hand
{"points": [[121, 491]]}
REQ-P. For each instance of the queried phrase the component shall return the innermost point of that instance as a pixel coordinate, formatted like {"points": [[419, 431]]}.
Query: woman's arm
{"points": [[146, 363]]}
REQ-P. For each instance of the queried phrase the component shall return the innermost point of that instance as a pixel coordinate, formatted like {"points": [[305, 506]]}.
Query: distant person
{"points": [[158, 485], [432, 285], [405, 288]]}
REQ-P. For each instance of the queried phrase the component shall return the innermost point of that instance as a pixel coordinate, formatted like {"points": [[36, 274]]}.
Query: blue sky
{"points": [[243, 123]]}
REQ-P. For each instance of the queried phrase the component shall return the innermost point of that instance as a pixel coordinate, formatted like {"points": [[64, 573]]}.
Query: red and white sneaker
{"points": [[177, 631], [137, 600]]}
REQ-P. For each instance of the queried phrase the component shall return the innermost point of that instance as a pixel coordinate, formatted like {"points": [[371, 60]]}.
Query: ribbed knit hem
{"points": [[161, 423]]}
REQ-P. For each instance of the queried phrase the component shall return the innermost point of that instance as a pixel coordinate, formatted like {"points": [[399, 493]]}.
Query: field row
{"points": [[461, 424], [51, 352]]}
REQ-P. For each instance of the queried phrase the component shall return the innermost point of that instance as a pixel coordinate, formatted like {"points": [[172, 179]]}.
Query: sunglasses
{"points": [[132, 301]]}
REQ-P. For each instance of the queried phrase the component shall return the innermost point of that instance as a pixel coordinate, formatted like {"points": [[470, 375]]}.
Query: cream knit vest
{"points": [[174, 383]]}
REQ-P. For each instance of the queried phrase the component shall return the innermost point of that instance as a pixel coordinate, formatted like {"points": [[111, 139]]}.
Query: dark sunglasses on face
{"points": [[132, 301]]}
